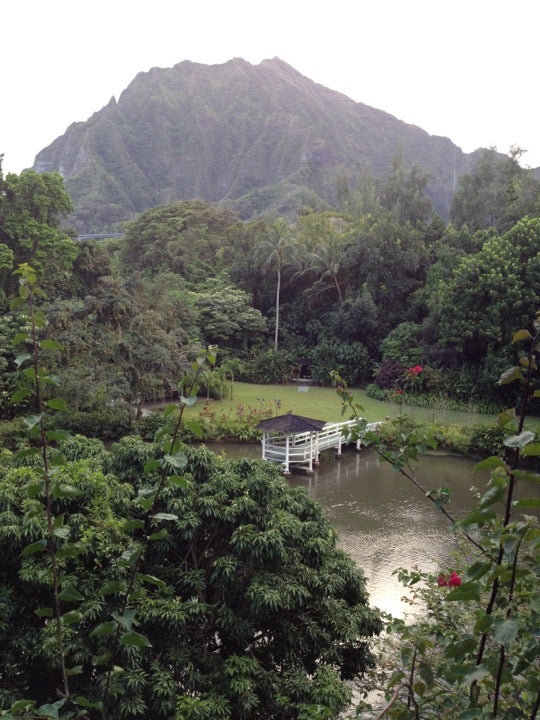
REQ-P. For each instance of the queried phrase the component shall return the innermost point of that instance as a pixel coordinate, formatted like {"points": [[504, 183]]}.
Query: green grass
{"points": [[324, 404]]}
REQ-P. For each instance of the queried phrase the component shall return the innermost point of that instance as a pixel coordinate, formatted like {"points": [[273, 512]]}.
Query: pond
{"points": [[383, 521]]}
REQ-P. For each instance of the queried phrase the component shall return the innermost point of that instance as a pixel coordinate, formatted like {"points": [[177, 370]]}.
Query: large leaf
{"points": [[35, 547], [513, 373], [135, 639], [57, 404], [466, 591], [20, 359], [505, 631], [521, 440]]}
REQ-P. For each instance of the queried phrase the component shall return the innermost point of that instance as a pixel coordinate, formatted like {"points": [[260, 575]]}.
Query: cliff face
{"points": [[255, 138]]}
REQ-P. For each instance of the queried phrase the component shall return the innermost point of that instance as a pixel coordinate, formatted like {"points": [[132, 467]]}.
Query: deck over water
{"points": [[302, 449]]}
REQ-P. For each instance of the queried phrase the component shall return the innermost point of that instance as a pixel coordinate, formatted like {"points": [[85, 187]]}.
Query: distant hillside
{"points": [[256, 138]]}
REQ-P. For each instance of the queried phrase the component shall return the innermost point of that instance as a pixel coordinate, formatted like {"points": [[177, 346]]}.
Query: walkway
{"points": [[302, 449]]}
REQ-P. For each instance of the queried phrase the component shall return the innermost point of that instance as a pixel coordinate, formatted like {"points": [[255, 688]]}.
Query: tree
{"points": [[496, 193], [274, 252], [402, 194], [32, 206], [226, 318], [184, 238], [243, 606], [323, 252], [476, 308]]}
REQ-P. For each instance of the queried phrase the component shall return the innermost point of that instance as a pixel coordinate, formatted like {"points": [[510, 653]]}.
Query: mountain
{"points": [[256, 138]]}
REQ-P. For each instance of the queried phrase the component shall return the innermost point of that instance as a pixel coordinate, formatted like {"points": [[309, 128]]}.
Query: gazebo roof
{"points": [[291, 424]]}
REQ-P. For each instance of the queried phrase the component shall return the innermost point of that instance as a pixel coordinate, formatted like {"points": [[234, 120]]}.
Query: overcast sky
{"points": [[466, 69]]}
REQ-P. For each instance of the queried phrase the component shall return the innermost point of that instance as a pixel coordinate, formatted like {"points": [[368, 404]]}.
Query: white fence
{"points": [[302, 449]]}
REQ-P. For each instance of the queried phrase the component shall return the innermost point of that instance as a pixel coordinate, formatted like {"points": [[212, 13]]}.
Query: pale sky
{"points": [[466, 69]]}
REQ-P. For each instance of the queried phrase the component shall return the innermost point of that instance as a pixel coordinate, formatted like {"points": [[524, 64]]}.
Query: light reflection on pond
{"points": [[382, 520]]}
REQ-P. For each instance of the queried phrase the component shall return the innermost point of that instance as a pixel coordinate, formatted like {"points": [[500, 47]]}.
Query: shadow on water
{"points": [[384, 522]]}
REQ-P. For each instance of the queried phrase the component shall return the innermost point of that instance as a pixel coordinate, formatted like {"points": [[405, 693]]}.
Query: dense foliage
{"points": [[369, 289], [469, 650], [156, 581]]}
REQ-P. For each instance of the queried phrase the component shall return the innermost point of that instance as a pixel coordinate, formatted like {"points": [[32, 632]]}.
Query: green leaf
{"points": [[478, 570], [510, 375], [34, 548], [72, 617], [20, 394], [145, 503], [135, 639], [532, 450], [521, 335], [195, 427], [33, 420], [189, 401], [519, 441], [19, 338], [57, 404], [150, 579], [76, 670], [126, 620], [58, 460], [489, 464], [466, 591], [44, 612], [112, 586], [61, 532], [50, 710], [63, 490], [21, 454], [165, 516], [160, 535], [178, 481], [57, 435], [50, 345], [179, 460], [479, 673], [84, 702], [23, 357], [70, 594], [104, 629], [133, 525], [531, 502], [505, 631], [491, 496], [506, 416], [152, 465]]}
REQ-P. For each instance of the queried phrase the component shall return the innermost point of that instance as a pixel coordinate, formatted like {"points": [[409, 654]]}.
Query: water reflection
{"points": [[382, 520]]}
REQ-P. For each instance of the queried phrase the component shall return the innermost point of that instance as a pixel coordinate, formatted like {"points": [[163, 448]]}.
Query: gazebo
{"points": [[289, 439]]}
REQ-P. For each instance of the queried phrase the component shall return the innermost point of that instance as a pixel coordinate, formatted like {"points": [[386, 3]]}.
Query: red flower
{"points": [[416, 370], [452, 580]]}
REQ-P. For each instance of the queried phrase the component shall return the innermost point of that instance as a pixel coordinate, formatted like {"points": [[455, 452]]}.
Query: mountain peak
{"points": [[256, 138]]}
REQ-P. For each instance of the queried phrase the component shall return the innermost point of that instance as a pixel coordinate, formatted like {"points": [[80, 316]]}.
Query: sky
{"points": [[466, 69]]}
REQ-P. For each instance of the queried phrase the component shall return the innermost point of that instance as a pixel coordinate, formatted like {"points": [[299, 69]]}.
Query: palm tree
{"points": [[276, 252], [324, 252]]}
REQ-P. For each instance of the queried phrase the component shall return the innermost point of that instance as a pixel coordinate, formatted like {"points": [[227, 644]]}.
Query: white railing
{"points": [[304, 448]]}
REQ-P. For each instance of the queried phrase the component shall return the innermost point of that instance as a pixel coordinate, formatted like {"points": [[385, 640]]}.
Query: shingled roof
{"points": [[291, 424]]}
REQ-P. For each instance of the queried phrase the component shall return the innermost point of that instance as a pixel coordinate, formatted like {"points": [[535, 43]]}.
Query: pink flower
{"points": [[416, 370], [452, 580]]}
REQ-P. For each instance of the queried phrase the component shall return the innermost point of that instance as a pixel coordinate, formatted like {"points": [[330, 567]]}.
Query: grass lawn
{"points": [[324, 404]]}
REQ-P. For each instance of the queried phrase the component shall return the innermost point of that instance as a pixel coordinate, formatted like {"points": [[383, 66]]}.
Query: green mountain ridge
{"points": [[256, 138]]}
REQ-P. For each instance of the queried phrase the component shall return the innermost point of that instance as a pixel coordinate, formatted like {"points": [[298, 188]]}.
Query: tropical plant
{"points": [[157, 581], [472, 651]]}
